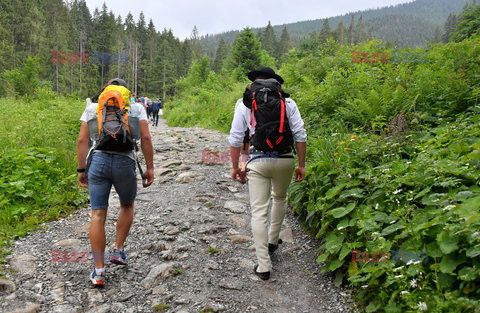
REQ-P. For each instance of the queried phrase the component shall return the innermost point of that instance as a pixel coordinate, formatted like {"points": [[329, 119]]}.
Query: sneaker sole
{"points": [[98, 283]]}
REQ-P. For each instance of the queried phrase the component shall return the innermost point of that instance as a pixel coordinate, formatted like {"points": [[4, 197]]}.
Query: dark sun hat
{"points": [[264, 72]]}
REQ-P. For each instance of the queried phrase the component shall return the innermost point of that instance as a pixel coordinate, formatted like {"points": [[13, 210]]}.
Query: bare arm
{"points": [[147, 150], [238, 174], [301, 152], [82, 151]]}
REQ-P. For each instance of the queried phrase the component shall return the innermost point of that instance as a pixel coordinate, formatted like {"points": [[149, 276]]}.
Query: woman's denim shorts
{"points": [[107, 169]]}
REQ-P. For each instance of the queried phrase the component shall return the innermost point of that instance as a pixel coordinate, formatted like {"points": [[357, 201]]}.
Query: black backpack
{"points": [[266, 100]]}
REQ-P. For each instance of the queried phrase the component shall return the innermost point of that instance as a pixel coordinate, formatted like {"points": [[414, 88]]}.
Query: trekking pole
{"points": [[144, 178]]}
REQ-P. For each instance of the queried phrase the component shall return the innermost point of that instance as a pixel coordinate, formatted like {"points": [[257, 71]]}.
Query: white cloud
{"points": [[216, 16]]}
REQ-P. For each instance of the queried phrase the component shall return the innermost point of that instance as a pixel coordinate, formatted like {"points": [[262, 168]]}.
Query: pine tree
{"points": [[360, 32], [220, 55], [449, 27], [269, 40], [246, 51], [468, 23], [437, 35], [195, 43], [351, 31], [341, 33], [285, 44], [326, 31]]}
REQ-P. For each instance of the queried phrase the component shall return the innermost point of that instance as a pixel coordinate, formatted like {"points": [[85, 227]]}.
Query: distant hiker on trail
{"points": [[271, 121], [146, 104], [113, 125], [155, 109], [161, 106]]}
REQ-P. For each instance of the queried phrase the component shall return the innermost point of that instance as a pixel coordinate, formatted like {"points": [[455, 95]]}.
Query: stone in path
{"points": [[68, 243], [6, 286], [240, 239], [28, 308], [287, 235], [24, 264], [240, 222], [235, 206], [159, 272]]}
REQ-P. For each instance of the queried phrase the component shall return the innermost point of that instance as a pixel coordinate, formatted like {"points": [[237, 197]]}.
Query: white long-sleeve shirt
{"points": [[241, 120]]}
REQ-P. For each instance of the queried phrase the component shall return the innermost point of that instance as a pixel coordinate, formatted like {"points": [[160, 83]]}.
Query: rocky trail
{"points": [[190, 249]]}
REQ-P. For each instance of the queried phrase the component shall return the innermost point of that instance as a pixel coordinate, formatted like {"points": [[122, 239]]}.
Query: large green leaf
{"points": [[474, 252], [334, 265], [450, 262], [342, 211], [392, 228], [334, 191], [447, 242], [334, 242]]}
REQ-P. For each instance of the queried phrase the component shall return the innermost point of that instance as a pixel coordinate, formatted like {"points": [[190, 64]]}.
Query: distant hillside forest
{"points": [[65, 47], [405, 25]]}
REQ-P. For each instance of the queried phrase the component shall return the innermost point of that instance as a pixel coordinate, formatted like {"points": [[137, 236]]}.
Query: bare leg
{"points": [[124, 222], [97, 236]]}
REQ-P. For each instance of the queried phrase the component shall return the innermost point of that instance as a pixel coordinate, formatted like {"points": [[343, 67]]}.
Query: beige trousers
{"points": [[268, 177]]}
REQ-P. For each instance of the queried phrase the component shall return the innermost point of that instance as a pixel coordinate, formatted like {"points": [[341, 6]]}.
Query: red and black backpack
{"points": [[266, 100]]}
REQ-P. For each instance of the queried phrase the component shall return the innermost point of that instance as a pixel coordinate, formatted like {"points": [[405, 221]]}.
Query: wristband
{"points": [[80, 170]]}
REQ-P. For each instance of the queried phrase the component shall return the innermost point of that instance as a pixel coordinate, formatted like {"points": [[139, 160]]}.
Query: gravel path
{"points": [[190, 249]]}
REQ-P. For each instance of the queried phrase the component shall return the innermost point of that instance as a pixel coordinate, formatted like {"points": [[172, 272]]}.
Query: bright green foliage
{"points": [[414, 193], [37, 184], [406, 179], [23, 82], [365, 96], [204, 99]]}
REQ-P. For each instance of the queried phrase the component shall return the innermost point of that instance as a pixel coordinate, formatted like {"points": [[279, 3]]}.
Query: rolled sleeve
{"points": [[295, 121], [239, 125]]}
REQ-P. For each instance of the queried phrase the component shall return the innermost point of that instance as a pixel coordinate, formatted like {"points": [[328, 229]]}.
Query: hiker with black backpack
{"points": [[270, 121], [112, 128], [156, 104]]}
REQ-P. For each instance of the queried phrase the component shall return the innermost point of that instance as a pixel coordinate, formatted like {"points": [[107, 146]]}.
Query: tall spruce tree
{"points": [[269, 40], [468, 23], [449, 27], [285, 43], [246, 51], [220, 55], [351, 31], [326, 31]]}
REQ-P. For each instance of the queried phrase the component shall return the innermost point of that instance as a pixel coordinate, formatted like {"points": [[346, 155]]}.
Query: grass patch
{"points": [[179, 271], [161, 307], [37, 168], [212, 250]]}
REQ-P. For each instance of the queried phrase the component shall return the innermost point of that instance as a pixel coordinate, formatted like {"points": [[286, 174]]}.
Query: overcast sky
{"points": [[216, 16]]}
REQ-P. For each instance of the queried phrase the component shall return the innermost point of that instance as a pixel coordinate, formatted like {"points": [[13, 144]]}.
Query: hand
{"points": [[149, 175], [81, 180], [239, 175], [299, 174]]}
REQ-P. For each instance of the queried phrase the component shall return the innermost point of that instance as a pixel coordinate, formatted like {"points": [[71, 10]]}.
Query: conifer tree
{"points": [[341, 33], [246, 51], [269, 40], [326, 32], [468, 23], [285, 44], [449, 27], [220, 55]]}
